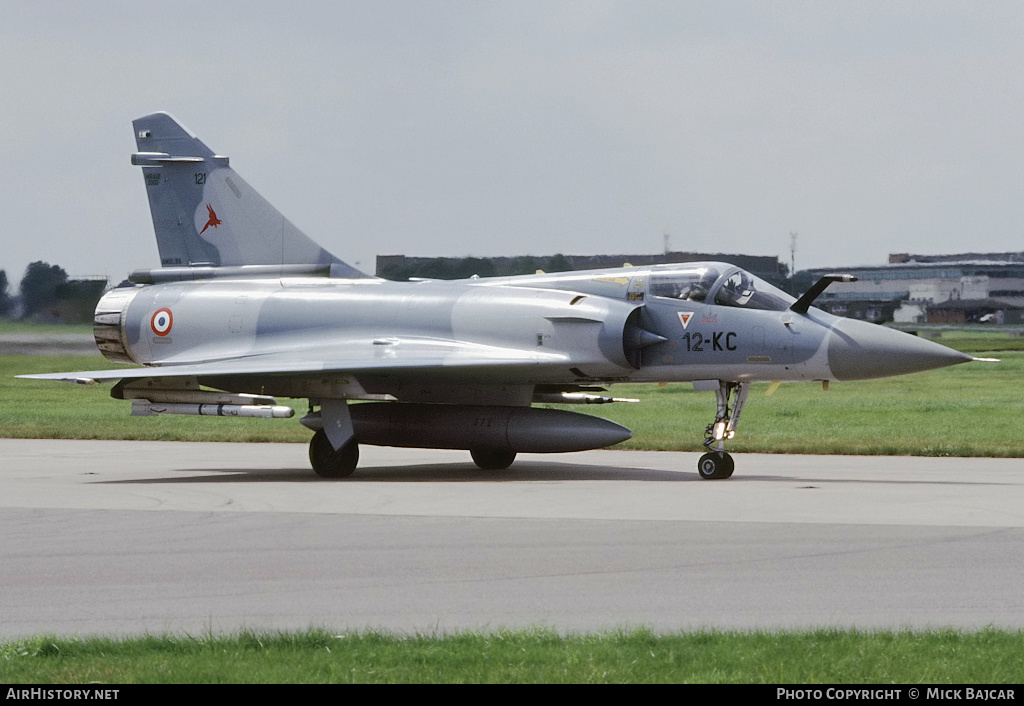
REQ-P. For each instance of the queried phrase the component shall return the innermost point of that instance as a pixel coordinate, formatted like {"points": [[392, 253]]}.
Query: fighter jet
{"points": [[246, 307]]}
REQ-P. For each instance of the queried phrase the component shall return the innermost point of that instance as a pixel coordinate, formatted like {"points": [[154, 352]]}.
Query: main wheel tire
{"points": [[330, 463], [716, 465], [491, 460]]}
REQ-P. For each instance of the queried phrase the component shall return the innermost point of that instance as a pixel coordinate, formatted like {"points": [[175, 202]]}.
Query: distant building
{"points": [[403, 267], [967, 311], [911, 286], [764, 266]]}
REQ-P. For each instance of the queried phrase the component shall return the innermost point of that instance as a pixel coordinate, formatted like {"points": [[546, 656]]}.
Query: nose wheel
{"points": [[717, 464]]}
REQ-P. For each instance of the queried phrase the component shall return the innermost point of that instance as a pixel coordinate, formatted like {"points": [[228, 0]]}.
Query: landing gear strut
{"points": [[717, 464]]}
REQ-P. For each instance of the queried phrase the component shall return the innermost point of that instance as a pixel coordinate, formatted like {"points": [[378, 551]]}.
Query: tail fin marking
{"points": [[204, 214]]}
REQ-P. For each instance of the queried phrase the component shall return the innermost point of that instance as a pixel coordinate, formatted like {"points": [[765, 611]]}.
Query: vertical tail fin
{"points": [[205, 214]]}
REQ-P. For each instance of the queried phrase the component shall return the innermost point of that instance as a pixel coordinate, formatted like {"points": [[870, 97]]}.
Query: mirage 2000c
{"points": [[245, 307]]}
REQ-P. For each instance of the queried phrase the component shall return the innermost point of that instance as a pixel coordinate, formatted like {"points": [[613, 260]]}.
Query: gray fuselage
{"points": [[501, 336]]}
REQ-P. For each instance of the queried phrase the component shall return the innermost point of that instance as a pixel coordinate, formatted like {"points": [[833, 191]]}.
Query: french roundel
{"points": [[162, 322]]}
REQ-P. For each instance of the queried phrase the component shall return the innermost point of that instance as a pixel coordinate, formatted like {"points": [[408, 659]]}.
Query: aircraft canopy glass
{"points": [[718, 284], [691, 283]]}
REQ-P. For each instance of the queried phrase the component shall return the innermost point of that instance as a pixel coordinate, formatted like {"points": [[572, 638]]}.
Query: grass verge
{"points": [[966, 410], [830, 656]]}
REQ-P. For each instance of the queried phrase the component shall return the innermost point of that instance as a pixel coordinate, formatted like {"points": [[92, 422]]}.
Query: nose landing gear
{"points": [[717, 464]]}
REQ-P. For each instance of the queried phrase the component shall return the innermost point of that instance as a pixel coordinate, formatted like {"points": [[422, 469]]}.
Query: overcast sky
{"points": [[506, 128]]}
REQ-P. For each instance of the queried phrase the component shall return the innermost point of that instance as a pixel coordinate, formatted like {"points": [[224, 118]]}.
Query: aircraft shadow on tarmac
{"points": [[427, 473], [524, 472]]}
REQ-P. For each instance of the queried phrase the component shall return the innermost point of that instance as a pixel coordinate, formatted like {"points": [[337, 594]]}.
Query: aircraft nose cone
{"points": [[858, 350]]}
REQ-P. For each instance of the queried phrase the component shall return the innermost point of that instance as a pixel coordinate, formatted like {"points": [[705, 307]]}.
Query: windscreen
{"points": [[686, 283], [742, 289], [716, 283]]}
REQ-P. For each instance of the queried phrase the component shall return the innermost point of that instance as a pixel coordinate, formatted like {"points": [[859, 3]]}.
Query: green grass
{"points": [[829, 656], [50, 410], [19, 327], [974, 409], [978, 339]]}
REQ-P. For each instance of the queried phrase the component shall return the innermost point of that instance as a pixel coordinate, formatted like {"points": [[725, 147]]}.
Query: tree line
{"points": [[47, 294]]}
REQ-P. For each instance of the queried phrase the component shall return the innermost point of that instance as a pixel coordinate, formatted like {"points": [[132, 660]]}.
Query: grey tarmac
{"points": [[47, 344], [114, 537]]}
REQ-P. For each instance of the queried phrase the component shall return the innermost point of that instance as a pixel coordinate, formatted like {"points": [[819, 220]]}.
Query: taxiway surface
{"points": [[118, 537]]}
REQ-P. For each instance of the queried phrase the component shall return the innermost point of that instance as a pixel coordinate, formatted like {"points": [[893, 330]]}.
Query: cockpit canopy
{"points": [[716, 283]]}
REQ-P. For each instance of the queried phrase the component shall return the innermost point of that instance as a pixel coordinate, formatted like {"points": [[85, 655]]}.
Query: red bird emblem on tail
{"points": [[213, 220]]}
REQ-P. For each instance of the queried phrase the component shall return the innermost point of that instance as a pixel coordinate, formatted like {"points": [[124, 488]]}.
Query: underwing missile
{"points": [[145, 408]]}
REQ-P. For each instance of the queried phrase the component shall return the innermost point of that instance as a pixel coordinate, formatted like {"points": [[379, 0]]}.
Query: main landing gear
{"points": [[492, 459], [341, 463], [330, 463], [717, 464]]}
